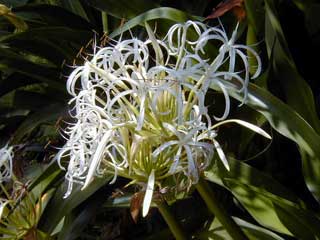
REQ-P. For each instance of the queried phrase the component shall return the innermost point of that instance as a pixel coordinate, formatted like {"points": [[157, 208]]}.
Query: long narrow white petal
{"points": [[149, 193], [251, 127], [227, 103], [162, 147], [97, 158], [155, 44], [3, 204], [142, 112], [221, 154], [192, 170]]}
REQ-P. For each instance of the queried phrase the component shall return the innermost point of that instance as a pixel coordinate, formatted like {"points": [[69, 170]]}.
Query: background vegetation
{"points": [[272, 189]]}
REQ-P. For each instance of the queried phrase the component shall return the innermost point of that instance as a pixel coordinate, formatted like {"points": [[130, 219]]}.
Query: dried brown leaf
{"points": [[236, 6], [239, 12], [135, 205]]}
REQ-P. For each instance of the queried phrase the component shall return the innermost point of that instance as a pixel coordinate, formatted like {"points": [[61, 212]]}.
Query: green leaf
{"points": [[31, 100], [249, 175], [196, 7], [254, 11], [158, 13], [18, 22], [42, 236], [52, 43], [285, 69], [54, 16], [20, 64], [48, 114], [258, 203], [37, 189], [304, 5], [273, 30], [74, 226], [313, 18], [255, 232], [51, 170], [52, 217], [264, 206], [76, 7], [54, 33], [13, 82], [40, 46], [286, 74], [123, 8], [45, 198], [262, 196], [13, 3], [302, 223], [217, 232], [284, 120]]}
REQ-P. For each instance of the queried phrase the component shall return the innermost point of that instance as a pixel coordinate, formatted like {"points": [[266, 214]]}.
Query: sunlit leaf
{"points": [[157, 13], [253, 232], [261, 195]]}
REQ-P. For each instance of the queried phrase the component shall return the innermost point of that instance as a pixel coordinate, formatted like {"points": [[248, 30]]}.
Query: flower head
{"points": [[139, 107], [6, 156]]}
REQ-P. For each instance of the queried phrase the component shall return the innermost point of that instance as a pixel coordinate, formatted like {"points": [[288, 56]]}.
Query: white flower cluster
{"points": [[6, 156], [140, 107], [6, 173]]}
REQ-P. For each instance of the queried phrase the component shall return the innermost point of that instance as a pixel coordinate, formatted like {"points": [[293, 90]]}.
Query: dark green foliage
{"points": [[272, 191]]}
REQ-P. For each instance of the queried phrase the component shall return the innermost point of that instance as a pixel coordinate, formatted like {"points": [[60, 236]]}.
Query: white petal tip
{"points": [[252, 127], [227, 167], [148, 196], [86, 184]]}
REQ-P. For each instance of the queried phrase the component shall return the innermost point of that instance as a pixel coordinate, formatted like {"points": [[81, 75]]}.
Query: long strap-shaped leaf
{"points": [[298, 93], [157, 13], [283, 119]]}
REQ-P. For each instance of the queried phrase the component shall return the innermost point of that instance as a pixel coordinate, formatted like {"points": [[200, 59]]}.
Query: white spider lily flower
{"points": [[144, 117], [6, 156], [195, 150], [3, 205]]}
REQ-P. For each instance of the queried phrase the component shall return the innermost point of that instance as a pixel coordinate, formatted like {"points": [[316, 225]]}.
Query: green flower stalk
{"points": [[139, 108]]}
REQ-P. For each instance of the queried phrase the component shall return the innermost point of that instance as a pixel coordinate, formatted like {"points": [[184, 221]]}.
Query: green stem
{"points": [[219, 211], [252, 41], [104, 17], [171, 221]]}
